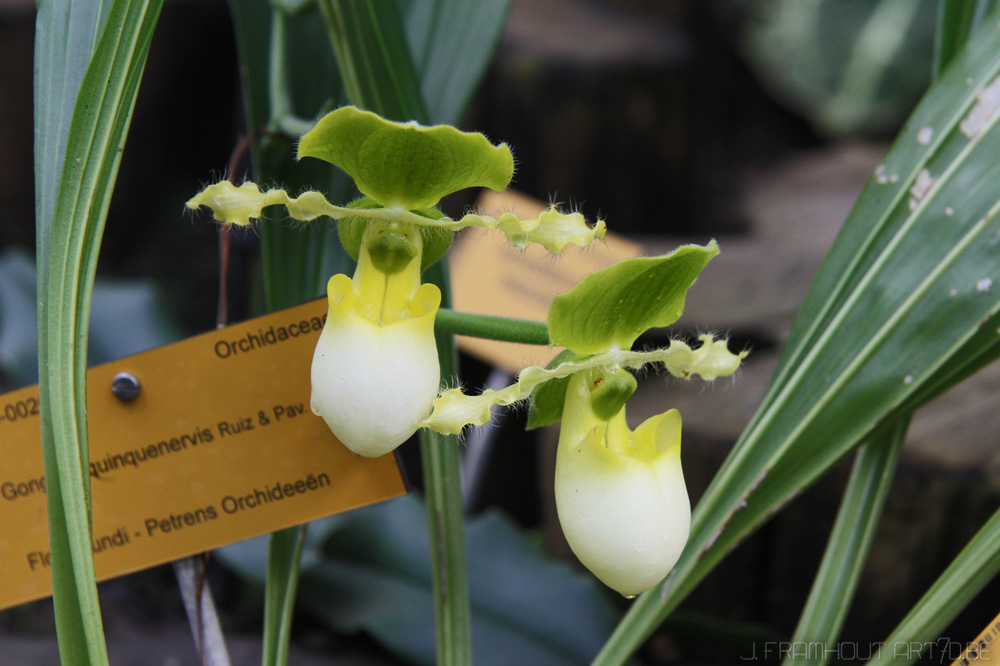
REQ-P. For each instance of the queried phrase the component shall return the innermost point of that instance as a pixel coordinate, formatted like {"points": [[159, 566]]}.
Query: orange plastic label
{"points": [[220, 445], [491, 277]]}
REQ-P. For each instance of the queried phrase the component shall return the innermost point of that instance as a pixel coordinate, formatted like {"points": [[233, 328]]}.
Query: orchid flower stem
{"points": [[524, 331], [284, 558], [291, 125], [440, 457], [285, 546], [443, 491]]}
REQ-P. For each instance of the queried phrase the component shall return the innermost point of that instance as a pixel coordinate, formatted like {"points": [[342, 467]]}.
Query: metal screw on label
{"points": [[125, 386]]}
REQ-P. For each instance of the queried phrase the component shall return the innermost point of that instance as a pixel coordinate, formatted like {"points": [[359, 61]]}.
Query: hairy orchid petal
{"points": [[241, 205], [453, 410]]}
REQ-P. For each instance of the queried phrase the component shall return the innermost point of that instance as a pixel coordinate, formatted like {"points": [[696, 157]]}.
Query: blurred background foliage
{"points": [[649, 113], [701, 89], [851, 67]]}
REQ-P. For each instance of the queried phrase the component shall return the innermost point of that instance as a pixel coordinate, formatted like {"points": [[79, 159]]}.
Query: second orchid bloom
{"points": [[375, 372], [620, 495]]}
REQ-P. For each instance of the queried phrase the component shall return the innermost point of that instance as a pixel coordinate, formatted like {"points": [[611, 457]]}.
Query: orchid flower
{"points": [[375, 371], [620, 495]]}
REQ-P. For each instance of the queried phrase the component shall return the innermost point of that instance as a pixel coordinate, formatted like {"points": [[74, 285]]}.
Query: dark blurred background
{"points": [[756, 123]]}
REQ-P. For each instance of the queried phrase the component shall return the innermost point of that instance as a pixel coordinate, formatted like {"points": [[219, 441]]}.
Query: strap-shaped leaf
{"points": [[374, 58], [957, 20], [64, 41], [452, 42], [69, 239], [972, 569], [406, 165], [849, 544], [614, 306]]}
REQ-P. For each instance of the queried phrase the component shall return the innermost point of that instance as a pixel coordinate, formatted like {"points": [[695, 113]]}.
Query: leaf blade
{"points": [[453, 42], [970, 571], [614, 306], [371, 48], [67, 245], [850, 541]]}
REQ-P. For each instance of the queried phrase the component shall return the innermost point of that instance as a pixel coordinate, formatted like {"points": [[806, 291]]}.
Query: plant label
{"points": [[202, 443]]}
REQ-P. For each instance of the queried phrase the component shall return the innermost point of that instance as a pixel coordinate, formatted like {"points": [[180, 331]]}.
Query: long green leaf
{"points": [[64, 41], [68, 244], [374, 59], [903, 299], [283, 560], [452, 42], [957, 20], [850, 541]]}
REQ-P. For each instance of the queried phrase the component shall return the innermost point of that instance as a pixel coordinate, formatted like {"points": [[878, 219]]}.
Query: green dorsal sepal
{"points": [[406, 165], [612, 307]]}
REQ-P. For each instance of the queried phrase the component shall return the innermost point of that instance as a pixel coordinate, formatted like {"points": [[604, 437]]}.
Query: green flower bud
{"points": [[609, 391], [392, 245]]}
